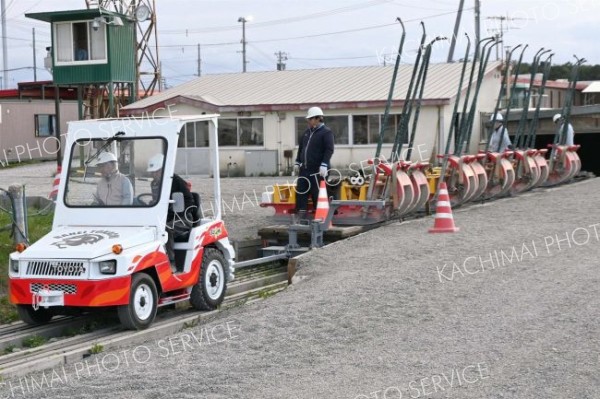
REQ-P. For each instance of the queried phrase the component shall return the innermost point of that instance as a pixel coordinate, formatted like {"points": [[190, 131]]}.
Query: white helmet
{"points": [[499, 117], [105, 157], [556, 118], [314, 111], [155, 163]]}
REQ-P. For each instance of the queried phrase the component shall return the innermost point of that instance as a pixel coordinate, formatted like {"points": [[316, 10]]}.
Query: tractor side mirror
{"points": [[178, 202]]}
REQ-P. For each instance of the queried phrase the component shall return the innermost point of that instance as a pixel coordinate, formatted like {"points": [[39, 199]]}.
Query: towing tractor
{"points": [[112, 243]]}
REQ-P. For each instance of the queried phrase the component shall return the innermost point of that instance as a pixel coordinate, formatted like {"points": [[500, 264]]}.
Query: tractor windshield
{"points": [[115, 172]]}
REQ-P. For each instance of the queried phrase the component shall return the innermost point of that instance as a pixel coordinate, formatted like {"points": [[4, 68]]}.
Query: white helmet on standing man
{"points": [[499, 117], [556, 118], [314, 111]]}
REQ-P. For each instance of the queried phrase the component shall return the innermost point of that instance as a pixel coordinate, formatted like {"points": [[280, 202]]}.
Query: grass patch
{"points": [[8, 311], [190, 324], [39, 225], [86, 328], [96, 348], [15, 163], [34, 341], [266, 293], [9, 349]]}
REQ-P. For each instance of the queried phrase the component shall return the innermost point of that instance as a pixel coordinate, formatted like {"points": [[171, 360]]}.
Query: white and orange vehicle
{"points": [[116, 255]]}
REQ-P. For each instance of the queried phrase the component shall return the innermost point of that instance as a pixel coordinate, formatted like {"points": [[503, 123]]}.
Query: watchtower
{"points": [[95, 50]]}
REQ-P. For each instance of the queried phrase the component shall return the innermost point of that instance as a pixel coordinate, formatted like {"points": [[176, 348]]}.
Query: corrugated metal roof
{"points": [[72, 15], [310, 86], [594, 87]]}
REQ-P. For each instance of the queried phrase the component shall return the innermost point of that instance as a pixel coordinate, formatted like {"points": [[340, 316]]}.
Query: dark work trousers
{"points": [[307, 184]]}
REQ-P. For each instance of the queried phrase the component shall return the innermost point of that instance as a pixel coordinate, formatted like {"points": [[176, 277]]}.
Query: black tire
{"points": [[34, 317], [209, 291], [143, 300]]}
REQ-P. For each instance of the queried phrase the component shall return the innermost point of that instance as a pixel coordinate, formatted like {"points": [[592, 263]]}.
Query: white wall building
{"points": [[264, 112], [28, 129]]}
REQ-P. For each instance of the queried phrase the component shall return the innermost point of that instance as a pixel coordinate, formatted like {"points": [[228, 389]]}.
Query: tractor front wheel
{"points": [[34, 317], [143, 301]]}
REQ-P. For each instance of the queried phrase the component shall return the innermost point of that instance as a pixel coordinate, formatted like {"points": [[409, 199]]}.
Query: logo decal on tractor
{"points": [[78, 238], [215, 232]]}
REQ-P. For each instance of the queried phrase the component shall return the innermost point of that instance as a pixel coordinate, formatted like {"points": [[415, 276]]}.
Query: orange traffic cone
{"points": [[444, 222], [54, 193], [322, 204]]}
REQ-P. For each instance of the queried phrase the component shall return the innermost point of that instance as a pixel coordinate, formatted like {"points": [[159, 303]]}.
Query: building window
{"points": [[338, 124], [241, 132], [78, 42], [193, 135], [339, 127], [393, 124], [45, 125], [251, 131], [227, 132], [365, 129]]}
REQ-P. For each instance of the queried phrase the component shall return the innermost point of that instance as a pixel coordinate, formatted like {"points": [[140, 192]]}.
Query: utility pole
{"points": [[34, 60], [456, 27], [477, 23], [243, 20], [199, 61], [500, 32], [281, 58], [4, 45]]}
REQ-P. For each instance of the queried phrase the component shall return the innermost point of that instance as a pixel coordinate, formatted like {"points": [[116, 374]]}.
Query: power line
{"points": [[277, 21], [336, 58], [356, 29], [320, 34], [417, 7]]}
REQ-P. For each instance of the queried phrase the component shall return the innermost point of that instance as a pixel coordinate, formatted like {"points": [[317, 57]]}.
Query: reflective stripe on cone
{"points": [[444, 221]]}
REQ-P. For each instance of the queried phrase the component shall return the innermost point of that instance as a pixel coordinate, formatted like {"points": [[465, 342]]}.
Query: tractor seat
{"points": [[194, 215]]}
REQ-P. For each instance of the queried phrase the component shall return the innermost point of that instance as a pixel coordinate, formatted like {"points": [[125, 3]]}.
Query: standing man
{"points": [[499, 135], [114, 188], [570, 132], [313, 160]]}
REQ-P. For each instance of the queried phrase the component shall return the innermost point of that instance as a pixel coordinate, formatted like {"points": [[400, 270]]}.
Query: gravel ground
{"points": [[394, 313]]}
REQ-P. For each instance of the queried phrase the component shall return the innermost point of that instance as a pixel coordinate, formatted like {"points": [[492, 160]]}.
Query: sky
{"points": [[319, 34]]}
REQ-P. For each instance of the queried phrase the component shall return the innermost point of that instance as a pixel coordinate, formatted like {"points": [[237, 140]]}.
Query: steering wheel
{"points": [[144, 199]]}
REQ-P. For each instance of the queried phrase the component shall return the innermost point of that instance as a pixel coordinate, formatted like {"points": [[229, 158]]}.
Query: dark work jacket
{"points": [[178, 186], [315, 147]]}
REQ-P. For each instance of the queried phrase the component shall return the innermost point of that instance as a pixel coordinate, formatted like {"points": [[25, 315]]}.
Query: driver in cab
{"points": [[114, 188]]}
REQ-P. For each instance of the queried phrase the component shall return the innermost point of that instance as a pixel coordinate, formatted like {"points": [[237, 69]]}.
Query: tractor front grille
{"points": [[56, 268]]}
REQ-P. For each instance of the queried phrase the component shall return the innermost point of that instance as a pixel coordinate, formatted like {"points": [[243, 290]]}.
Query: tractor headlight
{"points": [[14, 265], [108, 266]]}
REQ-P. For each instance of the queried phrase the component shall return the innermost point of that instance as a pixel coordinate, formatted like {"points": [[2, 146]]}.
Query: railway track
{"points": [[252, 283]]}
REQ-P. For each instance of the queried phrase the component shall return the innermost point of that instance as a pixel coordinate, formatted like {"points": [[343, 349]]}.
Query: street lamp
{"points": [[243, 20]]}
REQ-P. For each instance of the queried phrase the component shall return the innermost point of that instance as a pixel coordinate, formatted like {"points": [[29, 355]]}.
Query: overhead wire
{"points": [[280, 21], [320, 34]]}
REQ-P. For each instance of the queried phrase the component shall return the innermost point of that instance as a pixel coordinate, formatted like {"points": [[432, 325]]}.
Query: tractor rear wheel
{"points": [[209, 292]]}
